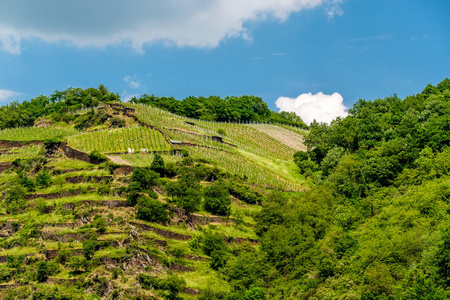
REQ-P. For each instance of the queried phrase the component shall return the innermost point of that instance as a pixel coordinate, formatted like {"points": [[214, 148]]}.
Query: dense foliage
{"points": [[57, 104], [375, 223], [231, 109]]}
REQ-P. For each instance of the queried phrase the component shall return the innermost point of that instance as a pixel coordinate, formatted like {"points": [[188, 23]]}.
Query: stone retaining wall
{"points": [[17, 144], [164, 233], [77, 154], [5, 166]]}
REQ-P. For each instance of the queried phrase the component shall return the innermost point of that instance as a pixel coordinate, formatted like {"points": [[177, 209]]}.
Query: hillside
{"points": [[112, 203], [130, 201]]}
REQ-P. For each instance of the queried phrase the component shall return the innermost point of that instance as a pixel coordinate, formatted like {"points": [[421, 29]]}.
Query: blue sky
{"points": [[339, 51]]}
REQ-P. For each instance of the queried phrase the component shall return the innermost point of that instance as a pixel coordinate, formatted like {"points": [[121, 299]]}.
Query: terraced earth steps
{"points": [[5, 166], [164, 233], [8, 286], [3, 258], [107, 203], [137, 263], [51, 254], [83, 179], [194, 219], [196, 258], [190, 291], [17, 144], [56, 195], [55, 280], [180, 268], [161, 243], [44, 235], [241, 240]]}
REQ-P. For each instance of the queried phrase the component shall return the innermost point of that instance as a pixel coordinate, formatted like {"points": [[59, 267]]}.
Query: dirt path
{"points": [[118, 160]]}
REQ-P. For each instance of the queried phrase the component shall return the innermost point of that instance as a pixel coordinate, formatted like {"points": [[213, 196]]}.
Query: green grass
{"points": [[65, 187], [111, 252], [70, 164], [53, 245], [18, 251], [204, 277], [84, 173], [286, 169]]}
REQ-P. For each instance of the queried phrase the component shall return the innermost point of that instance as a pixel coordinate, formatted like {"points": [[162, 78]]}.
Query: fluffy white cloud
{"points": [[5, 95], [321, 107], [198, 23], [133, 83]]}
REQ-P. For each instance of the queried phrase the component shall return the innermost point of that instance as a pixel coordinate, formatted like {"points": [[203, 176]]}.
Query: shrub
{"points": [[158, 165], [29, 184], [148, 282], [15, 198], [174, 284], [100, 224], [245, 193], [190, 200], [255, 293], [151, 210], [117, 122], [213, 242], [78, 264], [5, 274], [103, 190], [145, 177], [88, 249], [43, 178], [42, 272], [217, 199], [219, 259], [63, 256]]}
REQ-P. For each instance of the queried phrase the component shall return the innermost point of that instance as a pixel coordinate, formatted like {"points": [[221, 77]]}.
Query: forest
{"points": [[370, 221]]}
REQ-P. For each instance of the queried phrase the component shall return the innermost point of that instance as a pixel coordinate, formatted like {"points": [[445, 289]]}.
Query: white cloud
{"points": [[5, 95], [135, 84], [321, 107], [100, 23]]}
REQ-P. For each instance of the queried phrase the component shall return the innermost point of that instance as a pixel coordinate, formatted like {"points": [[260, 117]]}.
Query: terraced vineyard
{"points": [[25, 134], [245, 136], [270, 147], [26, 152], [120, 140]]}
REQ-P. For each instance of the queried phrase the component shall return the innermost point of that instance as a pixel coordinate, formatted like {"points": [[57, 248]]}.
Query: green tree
{"points": [[443, 258], [145, 177], [88, 249], [152, 210], [158, 165], [217, 199]]}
